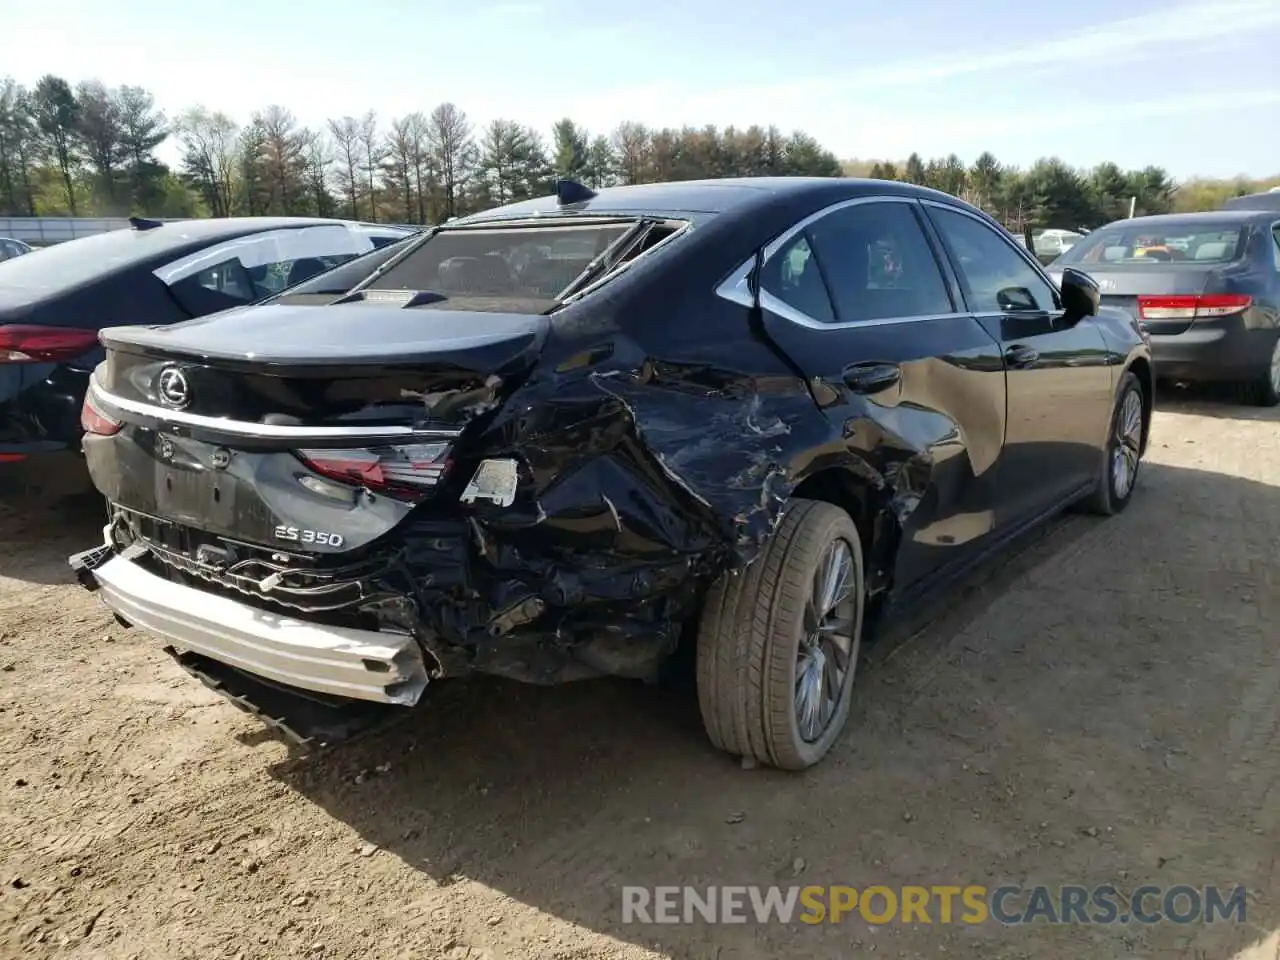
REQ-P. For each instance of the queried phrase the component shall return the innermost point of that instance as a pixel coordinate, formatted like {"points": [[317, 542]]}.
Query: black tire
{"points": [[1264, 391], [1110, 496], [750, 634]]}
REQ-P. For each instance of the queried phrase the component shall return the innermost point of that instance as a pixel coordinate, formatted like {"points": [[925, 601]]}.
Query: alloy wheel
{"points": [[1128, 445], [826, 657]]}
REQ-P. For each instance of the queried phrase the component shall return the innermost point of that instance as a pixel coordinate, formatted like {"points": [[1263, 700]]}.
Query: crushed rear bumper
{"points": [[336, 663]]}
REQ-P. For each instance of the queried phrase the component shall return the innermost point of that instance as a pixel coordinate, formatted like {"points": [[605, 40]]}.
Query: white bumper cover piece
{"points": [[360, 664]]}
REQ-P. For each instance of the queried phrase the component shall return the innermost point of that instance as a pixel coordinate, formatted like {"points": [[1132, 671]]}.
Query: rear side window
{"points": [[793, 276], [1169, 242], [246, 269], [862, 262], [530, 263], [1275, 245], [878, 263]]}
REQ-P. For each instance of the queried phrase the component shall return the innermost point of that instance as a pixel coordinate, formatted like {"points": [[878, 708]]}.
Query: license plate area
{"points": [[189, 487]]}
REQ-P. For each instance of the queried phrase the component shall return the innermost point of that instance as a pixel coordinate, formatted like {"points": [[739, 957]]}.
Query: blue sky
{"points": [[1192, 87]]}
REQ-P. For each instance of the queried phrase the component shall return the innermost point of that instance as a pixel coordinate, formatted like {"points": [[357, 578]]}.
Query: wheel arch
{"points": [[864, 500], [1141, 368]]}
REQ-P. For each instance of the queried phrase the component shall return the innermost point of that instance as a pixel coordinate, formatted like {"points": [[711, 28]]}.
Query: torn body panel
{"points": [[926, 434]]}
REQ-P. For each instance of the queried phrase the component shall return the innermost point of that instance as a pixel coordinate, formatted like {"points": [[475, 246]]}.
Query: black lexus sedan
{"points": [[559, 439], [53, 305], [1204, 286]]}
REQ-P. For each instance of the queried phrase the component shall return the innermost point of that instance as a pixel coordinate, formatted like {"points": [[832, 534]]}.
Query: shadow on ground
{"points": [[36, 537], [1096, 707], [1221, 401]]}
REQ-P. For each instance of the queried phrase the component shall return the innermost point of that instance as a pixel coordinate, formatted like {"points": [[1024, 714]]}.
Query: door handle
{"points": [[871, 377], [1020, 355]]}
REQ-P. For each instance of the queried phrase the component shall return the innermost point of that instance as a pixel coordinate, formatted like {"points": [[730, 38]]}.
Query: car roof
{"points": [[1267, 200], [1192, 219], [699, 199], [177, 233]]}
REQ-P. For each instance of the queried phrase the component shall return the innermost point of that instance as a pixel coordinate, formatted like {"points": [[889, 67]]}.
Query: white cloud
{"points": [[928, 103], [1104, 44], [893, 108]]}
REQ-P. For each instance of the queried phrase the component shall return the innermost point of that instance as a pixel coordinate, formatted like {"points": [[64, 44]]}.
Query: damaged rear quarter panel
{"points": [[663, 436], [659, 446]]}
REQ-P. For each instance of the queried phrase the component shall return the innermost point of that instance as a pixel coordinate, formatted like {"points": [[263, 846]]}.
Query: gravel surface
{"points": [[1101, 705]]}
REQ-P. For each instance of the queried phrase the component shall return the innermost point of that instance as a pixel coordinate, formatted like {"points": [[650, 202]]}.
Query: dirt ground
{"points": [[1100, 706]]}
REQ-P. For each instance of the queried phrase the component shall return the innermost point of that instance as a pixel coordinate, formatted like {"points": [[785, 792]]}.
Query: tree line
{"points": [[90, 150]]}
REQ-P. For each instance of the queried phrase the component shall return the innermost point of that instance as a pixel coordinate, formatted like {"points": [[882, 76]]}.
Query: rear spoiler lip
{"points": [[153, 415]]}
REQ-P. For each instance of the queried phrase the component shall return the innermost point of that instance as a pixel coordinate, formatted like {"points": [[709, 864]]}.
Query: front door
{"points": [[914, 386], [1059, 381]]}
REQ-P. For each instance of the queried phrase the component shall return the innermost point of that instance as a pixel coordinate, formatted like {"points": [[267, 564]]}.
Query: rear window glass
{"points": [[1172, 242], [516, 262]]}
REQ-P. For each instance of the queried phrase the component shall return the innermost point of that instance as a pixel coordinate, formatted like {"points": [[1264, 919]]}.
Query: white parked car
{"points": [[1052, 243]]}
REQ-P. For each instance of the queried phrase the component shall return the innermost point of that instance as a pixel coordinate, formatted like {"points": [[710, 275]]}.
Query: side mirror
{"points": [[1081, 296]]}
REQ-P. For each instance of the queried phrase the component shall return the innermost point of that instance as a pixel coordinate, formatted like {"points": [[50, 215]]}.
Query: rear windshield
{"points": [[520, 263], [1172, 242]]}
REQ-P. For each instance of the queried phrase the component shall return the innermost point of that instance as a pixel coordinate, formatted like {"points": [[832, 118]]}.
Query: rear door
{"points": [[1058, 375], [856, 296]]}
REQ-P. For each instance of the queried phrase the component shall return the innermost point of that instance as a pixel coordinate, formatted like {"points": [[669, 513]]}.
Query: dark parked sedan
{"points": [[1205, 286], [53, 305], [556, 440], [12, 249]]}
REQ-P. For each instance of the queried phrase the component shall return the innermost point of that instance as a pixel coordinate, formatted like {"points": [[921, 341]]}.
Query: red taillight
{"points": [[20, 343], [407, 470], [95, 420], [1192, 306], [12, 457]]}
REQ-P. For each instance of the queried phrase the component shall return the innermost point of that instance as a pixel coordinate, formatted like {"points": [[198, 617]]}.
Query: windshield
{"points": [[516, 262], [1171, 241]]}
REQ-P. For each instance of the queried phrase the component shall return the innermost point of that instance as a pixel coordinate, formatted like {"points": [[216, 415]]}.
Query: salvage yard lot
{"points": [[1101, 705]]}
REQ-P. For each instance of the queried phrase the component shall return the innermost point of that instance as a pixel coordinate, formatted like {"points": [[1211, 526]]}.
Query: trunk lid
{"points": [[1122, 284], [303, 430], [362, 361]]}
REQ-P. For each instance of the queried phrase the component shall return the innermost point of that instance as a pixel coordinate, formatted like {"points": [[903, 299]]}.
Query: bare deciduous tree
{"points": [[372, 151], [451, 147], [346, 142], [209, 143]]}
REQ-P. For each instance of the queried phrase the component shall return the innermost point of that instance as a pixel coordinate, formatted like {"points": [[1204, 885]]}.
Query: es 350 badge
{"points": [[319, 538]]}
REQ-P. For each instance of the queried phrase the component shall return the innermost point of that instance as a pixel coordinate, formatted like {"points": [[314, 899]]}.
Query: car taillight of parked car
{"points": [[406, 472], [1192, 306], [95, 420], [21, 343]]}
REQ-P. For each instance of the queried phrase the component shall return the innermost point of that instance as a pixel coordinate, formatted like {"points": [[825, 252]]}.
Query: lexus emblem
{"points": [[173, 388]]}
